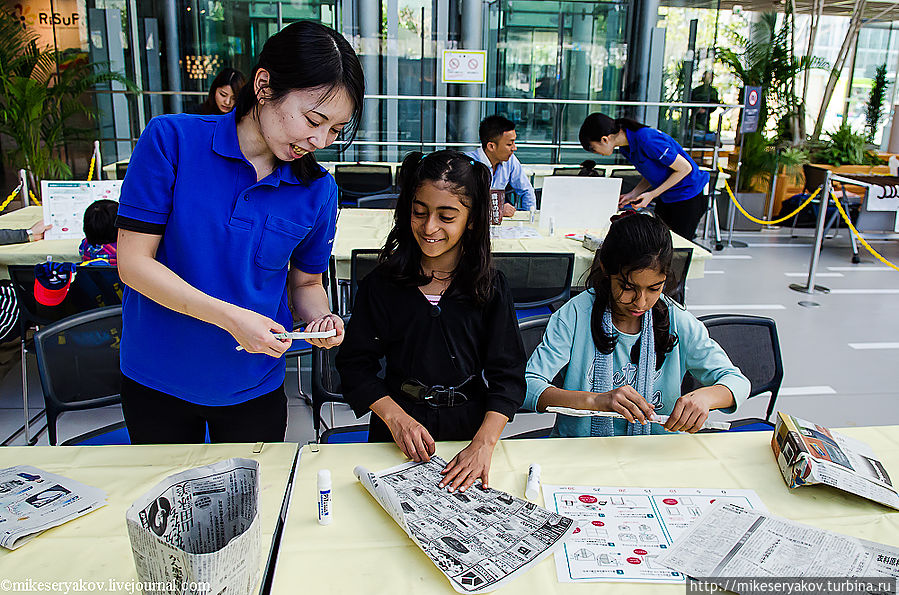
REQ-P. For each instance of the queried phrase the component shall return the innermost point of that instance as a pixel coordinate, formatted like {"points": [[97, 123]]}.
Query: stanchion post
{"points": [[99, 162], [23, 180], [732, 210], [810, 286]]}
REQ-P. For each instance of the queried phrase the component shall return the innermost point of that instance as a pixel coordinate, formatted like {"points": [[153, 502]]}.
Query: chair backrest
{"points": [[326, 386], [120, 170], [78, 359], [356, 180], [677, 284], [93, 287], [537, 278], [378, 201], [629, 178], [566, 171], [752, 345], [362, 262], [532, 330], [814, 177]]}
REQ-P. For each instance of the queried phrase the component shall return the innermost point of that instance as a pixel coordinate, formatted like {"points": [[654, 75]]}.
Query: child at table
{"points": [[444, 320], [627, 346], [99, 243]]}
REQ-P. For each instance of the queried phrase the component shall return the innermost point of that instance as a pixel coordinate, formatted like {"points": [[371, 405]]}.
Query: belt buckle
{"points": [[432, 396]]}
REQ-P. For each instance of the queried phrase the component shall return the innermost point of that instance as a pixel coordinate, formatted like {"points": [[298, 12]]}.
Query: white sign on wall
{"points": [[465, 66]]}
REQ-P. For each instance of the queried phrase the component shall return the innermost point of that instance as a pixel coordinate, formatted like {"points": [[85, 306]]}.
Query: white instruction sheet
{"points": [[622, 531], [64, 204], [480, 539]]}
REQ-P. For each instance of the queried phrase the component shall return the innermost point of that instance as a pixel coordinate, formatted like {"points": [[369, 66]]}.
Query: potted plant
{"points": [[41, 100]]}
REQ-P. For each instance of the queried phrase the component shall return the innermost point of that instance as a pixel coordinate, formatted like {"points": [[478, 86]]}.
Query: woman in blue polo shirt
{"points": [[670, 176], [221, 219]]}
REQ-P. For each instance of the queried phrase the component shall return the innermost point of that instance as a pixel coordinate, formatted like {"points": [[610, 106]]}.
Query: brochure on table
{"points": [[64, 204], [622, 532]]}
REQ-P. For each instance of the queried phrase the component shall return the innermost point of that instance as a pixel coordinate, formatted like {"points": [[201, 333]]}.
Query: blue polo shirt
{"points": [[225, 234], [652, 152]]}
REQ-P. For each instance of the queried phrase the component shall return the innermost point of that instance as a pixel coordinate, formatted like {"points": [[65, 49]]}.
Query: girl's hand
{"points": [[413, 438], [625, 401], [471, 463], [254, 333], [689, 413], [326, 323]]}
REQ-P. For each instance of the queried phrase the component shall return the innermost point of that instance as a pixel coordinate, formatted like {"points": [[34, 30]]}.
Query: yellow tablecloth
{"points": [[368, 228], [364, 551], [95, 547], [33, 252]]}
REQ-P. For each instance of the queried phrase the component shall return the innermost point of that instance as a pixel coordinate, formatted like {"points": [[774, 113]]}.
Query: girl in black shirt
{"points": [[443, 319]]}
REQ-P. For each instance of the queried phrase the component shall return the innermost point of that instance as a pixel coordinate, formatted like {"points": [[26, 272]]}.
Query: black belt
{"points": [[437, 395]]}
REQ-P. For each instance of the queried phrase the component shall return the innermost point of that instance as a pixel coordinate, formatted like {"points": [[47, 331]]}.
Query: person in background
{"points": [[588, 169], [99, 243], [704, 93], [497, 152], [670, 177], [223, 93]]}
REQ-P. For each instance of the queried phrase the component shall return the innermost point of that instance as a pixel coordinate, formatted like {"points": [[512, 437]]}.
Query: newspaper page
{"points": [[622, 531], [808, 454], [480, 539], [32, 501], [198, 531], [708, 424], [730, 541], [64, 204]]}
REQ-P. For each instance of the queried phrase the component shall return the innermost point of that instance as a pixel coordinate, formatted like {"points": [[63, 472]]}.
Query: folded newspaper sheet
{"points": [[32, 501], [808, 453], [480, 539], [199, 530], [708, 424], [730, 541]]}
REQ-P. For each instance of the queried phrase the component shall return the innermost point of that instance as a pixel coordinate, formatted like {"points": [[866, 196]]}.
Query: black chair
{"points": [[539, 280], [362, 262], [357, 180], [93, 287], [326, 387], [78, 362], [120, 170], [751, 344], [566, 171], [378, 201], [629, 178], [677, 284], [532, 330]]}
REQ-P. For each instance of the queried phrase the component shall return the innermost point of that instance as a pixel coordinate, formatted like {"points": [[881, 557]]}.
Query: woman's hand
{"points": [[689, 413], [413, 438], [254, 331], [642, 200], [470, 464], [623, 400], [625, 199], [326, 323]]}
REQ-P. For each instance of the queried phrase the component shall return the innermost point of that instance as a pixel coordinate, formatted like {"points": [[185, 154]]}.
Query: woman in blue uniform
{"points": [[670, 177], [220, 218]]}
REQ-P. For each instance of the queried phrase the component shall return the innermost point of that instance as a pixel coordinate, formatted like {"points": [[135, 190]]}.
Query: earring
{"points": [[262, 102]]}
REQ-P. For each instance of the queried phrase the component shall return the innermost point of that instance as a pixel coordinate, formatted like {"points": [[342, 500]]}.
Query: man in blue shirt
{"points": [[497, 152]]}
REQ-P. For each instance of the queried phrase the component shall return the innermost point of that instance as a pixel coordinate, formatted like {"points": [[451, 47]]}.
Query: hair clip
{"points": [[626, 212]]}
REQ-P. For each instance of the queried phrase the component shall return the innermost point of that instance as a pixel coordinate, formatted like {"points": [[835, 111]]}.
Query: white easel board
{"points": [[578, 203], [64, 204]]}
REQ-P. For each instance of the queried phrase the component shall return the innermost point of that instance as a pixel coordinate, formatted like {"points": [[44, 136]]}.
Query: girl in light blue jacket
{"points": [[627, 346]]}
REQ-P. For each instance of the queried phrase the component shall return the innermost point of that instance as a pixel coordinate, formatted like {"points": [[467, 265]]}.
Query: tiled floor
{"points": [[841, 358]]}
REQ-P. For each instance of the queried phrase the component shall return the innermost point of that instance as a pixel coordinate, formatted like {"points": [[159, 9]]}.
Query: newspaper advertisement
{"points": [[731, 541], [808, 454], [622, 531], [32, 501], [199, 530], [64, 204], [480, 539]]}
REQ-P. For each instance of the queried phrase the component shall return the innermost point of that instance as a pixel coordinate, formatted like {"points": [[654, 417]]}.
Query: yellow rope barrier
{"points": [[90, 172], [34, 198], [10, 198], [761, 221], [859, 236]]}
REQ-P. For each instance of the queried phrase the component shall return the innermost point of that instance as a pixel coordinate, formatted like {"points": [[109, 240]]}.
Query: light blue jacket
{"points": [[508, 173], [568, 341]]}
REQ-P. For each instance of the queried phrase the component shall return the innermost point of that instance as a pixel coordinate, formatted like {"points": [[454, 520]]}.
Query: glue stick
{"points": [[532, 488], [324, 497]]}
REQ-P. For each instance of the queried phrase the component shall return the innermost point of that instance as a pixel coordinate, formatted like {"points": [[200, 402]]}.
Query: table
{"points": [[96, 547], [368, 228], [33, 252], [364, 551]]}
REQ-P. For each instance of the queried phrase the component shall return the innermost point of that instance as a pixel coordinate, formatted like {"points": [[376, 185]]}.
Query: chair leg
{"points": [[51, 426], [25, 394]]}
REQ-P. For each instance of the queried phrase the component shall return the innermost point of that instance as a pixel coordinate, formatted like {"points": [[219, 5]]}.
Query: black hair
{"points": [[470, 181], [588, 169], [228, 77], [492, 127], [598, 125], [307, 55], [633, 243], [99, 222]]}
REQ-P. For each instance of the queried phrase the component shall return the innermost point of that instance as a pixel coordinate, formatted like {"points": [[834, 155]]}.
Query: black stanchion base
{"points": [[805, 288]]}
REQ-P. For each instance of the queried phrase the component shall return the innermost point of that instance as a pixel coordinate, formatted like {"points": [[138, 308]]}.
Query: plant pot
{"points": [[753, 202]]}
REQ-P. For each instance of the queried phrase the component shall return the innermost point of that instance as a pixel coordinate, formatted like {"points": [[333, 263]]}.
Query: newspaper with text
{"points": [[32, 501], [480, 539], [730, 541], [199, 530]]}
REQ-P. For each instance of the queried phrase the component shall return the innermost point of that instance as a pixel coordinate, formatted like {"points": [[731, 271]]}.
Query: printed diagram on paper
{"points": [[64, 204], [622, 531], [480, 539]]}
